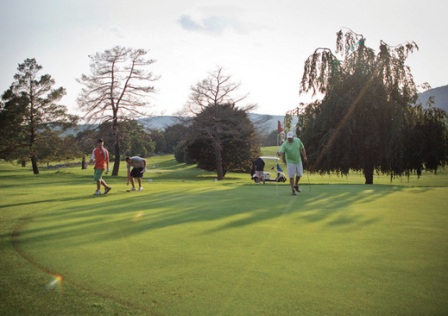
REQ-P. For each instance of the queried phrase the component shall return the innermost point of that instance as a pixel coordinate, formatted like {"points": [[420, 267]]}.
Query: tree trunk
{"points": [[368, 172], [34, 164], [116, 159], [116, 148], [218, 159]]}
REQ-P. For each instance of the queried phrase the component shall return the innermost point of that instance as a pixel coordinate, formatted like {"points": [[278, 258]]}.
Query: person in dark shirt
{"points": [[258, 165]]}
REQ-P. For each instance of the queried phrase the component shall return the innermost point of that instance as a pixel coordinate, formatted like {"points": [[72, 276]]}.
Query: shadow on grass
{"points": [[77, 220]]}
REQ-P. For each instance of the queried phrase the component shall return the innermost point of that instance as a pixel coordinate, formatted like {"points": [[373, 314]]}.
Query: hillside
{"points": [[440, 95], [268, 123], [263, 122]]}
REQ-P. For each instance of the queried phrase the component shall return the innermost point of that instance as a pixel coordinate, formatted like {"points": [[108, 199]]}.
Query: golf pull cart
{"points": [[274, 161]]}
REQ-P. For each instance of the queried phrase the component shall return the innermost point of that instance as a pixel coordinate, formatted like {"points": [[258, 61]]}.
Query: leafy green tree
{"points": [[117, 90], [159, 139], [12, 137], [29, 110], [427, 142], [366, 115], [272, 139], [54, 147], [220, 136], [134, 139], [174, 134]]}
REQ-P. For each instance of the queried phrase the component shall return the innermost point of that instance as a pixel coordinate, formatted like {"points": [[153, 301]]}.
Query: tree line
{"points": [[114, 95], [367, 120]]}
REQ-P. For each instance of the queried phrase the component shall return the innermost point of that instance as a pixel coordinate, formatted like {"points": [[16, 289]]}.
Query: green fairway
{"points": [[190, 245]]}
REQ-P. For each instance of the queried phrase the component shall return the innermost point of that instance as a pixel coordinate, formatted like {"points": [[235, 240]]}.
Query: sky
{"points": [[261, 44]]}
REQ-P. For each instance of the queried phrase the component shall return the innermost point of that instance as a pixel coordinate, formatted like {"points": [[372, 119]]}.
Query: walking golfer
{"points": [[138, 169], [293, 149], [100, 156]]}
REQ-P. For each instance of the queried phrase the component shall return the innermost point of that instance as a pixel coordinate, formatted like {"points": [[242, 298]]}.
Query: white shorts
{"points": [[295, 169]]}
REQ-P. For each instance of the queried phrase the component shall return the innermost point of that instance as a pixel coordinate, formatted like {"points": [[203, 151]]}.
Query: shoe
{"points": [[133, 189], [293, 192], [140, 189], [296, 187], [107, 190], [97, 193]]}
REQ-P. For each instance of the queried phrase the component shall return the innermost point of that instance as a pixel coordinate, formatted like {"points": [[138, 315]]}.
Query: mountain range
{"points": [[440, 95], [268, 123], [262, 122]]}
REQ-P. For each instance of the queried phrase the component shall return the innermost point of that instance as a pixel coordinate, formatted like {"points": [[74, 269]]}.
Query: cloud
{"points": [[211, 24], [117, 31]]}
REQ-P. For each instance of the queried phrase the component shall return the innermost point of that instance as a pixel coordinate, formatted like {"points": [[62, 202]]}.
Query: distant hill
{"points": [[265, 123], [440, 95]]}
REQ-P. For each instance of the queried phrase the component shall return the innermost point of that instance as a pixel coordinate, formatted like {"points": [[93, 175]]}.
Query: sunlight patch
{"points": [[137, 216]]}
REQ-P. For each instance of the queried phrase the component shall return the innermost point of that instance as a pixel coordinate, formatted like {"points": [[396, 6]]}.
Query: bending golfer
{"points": [[258, 166], [138, 169], [293, 149], [101, 157]]}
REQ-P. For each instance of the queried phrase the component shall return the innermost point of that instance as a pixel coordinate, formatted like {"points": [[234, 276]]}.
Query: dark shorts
{"points": [[136, 172]]}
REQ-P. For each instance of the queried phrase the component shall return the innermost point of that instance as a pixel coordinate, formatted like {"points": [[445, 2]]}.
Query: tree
{"points": [[29, 110], [12, 114], [366, 114], [117, 90], [134, 139], [272, 139], [174, 134], [220, 136], [159, 140], [53, 147], [216, 89]]}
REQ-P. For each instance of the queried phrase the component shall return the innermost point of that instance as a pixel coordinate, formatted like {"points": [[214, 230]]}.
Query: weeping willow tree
{"points": [[368, 119]]}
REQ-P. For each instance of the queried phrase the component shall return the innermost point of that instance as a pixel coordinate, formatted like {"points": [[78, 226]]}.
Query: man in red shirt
{"points": [[100, 156]]}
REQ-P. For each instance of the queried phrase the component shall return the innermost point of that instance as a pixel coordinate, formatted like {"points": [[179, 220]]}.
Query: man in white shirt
{"points": [[138, 169]]}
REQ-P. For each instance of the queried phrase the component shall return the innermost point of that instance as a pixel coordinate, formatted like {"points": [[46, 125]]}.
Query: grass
{"points": [[188, 245]]}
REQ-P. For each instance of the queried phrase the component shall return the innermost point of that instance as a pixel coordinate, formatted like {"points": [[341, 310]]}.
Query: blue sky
{"points": [[261, 44]]}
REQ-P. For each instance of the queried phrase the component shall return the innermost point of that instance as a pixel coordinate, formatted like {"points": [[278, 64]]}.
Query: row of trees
{"points": [[367, 119], [219, 136]]}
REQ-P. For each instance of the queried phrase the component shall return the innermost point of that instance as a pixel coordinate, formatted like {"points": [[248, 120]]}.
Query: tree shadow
{"points": [[77, 220]]}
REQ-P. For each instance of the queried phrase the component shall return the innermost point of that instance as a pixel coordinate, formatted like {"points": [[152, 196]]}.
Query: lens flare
{"points": [[55, 283]]}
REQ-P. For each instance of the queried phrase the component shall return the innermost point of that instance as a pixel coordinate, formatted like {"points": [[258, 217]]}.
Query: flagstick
{"points": [[276, 189]]}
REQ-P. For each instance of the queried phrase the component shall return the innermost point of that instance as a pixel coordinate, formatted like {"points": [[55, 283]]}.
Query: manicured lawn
{"points": [[188, 245]]}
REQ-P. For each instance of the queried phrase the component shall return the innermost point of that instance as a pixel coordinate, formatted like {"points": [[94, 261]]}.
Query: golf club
{"points": [[309, 184]]}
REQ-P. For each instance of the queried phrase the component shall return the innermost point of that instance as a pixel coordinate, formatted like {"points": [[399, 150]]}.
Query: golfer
{"points": [[100, 156], [138, 169], [293, 149], [258, 166]]}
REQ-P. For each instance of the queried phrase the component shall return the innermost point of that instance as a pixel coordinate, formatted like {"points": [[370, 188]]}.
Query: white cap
{"points": [[290, 135]]}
